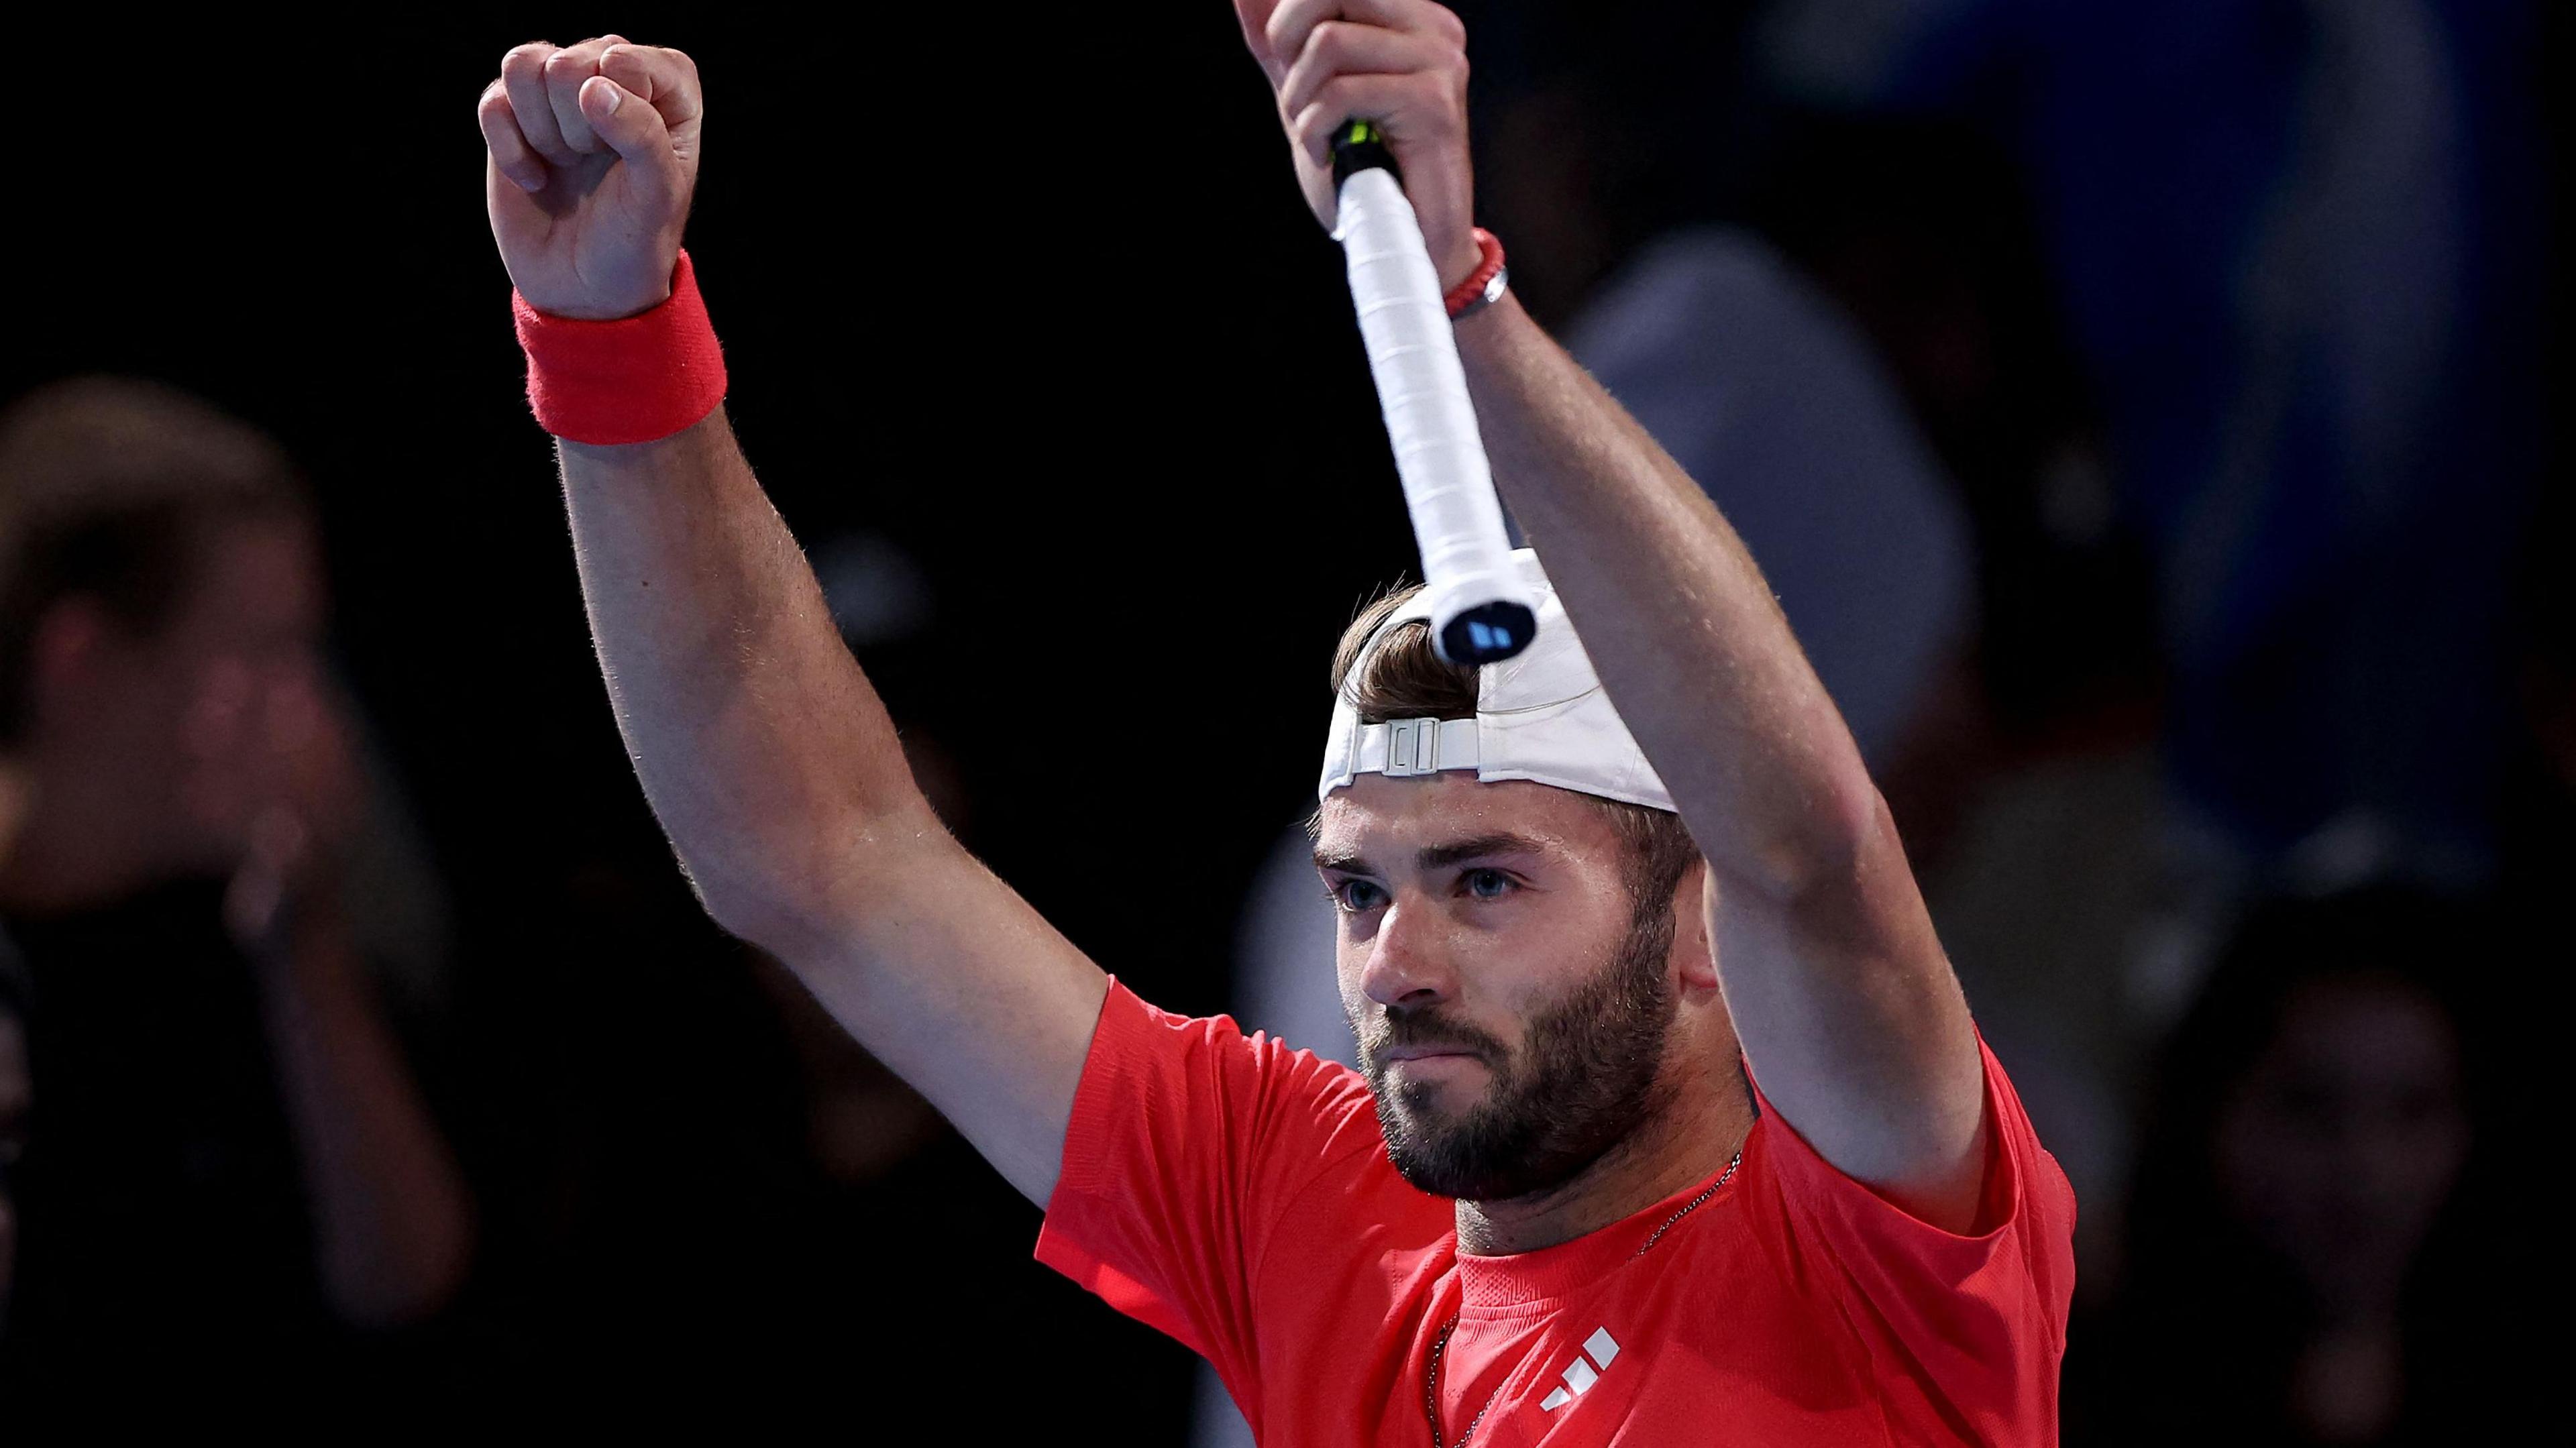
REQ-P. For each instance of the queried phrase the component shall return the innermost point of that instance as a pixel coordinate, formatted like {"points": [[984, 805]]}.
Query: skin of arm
{"points": [[762, 748], [1840, 993], [773, 767], [393, 1220], [394, 1224]]}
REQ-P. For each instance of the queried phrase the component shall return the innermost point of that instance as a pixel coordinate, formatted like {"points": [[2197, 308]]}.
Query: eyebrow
{"points": [[1433, 857]]}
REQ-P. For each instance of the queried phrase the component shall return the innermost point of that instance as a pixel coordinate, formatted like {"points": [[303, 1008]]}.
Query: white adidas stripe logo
{"points": [[1586, 1371]]}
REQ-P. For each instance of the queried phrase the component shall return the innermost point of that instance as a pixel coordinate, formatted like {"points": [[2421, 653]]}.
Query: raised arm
{"points": [[765, 753], [1841, 996]]}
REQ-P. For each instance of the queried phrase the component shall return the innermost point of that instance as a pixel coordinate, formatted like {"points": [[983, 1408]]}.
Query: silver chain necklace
{"points": [[1431, 1375]]}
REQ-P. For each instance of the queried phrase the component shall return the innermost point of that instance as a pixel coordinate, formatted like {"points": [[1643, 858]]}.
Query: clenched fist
{"points": [[1399, 63], [594, 151]]}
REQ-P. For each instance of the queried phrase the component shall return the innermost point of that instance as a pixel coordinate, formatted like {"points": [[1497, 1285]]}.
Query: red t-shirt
{"points": [[1237, 1195]]}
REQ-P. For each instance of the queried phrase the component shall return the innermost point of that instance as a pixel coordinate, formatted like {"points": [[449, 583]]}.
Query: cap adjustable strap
{"points": [[1400, 748]]}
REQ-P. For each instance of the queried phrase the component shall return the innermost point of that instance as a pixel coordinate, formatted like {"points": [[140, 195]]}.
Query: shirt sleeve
{"points": [[1188, 1144], [1961, 1329]]}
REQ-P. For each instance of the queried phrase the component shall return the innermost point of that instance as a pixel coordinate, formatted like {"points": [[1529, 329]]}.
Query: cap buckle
{"points": [[1412, 747]]}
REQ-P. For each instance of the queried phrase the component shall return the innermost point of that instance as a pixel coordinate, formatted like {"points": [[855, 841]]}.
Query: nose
{"points": [[1407, 964]]}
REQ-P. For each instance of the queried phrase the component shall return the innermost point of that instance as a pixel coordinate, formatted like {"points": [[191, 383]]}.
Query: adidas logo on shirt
{"points": [[1589, 1365]]}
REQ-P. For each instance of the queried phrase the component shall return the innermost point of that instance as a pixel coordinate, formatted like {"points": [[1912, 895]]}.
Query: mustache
{"points": [[1394, 1030]]}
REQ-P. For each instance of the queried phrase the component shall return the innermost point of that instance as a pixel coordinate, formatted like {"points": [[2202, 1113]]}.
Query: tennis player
{"points": [[1673, 1126]]}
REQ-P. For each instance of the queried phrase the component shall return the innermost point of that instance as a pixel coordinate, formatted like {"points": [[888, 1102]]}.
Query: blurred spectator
{"points": [[2292, 242], [229, 1169], [2320, 1243], [2209, 375], [1764, 390]]}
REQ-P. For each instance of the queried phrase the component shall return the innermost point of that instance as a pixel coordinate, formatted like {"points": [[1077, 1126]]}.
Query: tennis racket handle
{"points": [[1480, 608]]}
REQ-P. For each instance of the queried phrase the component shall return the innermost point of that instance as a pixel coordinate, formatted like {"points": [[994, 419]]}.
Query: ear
{"points": [[1694, 931]]}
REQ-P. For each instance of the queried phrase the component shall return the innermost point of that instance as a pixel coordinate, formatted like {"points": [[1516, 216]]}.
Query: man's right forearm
{"points": [[764, 752]]}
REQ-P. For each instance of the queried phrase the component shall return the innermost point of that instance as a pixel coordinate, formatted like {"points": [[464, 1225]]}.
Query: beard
{"points": [[1588, 1076]]}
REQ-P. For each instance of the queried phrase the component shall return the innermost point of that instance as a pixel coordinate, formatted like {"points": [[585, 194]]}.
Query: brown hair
{"points": [[1404, 678], [109, 488]]}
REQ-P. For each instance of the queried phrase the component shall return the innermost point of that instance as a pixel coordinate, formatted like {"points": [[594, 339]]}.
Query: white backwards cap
{"points": [[1541, 715]]}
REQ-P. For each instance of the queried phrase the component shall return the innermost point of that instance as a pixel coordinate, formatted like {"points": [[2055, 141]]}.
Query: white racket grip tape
{"points": [[1422, 390]]}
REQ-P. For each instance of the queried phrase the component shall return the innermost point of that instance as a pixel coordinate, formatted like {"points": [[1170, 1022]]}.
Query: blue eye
{"points": [[1356, 896], [1487, 884]]}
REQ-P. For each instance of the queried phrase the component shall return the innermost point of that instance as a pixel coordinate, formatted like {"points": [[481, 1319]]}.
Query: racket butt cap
{"points": [[1357, 147], [1486, 634]]}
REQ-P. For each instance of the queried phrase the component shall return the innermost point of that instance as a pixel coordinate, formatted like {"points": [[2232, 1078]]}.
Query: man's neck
{"points": [[1688, 1141]]}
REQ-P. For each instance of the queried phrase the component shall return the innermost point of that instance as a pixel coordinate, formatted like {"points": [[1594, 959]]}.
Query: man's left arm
{"points": [[1840, 993]]}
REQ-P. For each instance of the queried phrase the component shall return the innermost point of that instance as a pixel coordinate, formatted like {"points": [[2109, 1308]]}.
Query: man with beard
{"points": [[1556, 1208]]}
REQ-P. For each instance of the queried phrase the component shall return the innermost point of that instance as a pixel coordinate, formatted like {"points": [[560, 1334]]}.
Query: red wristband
{"points": [[631, 380], [1482, 285]]}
